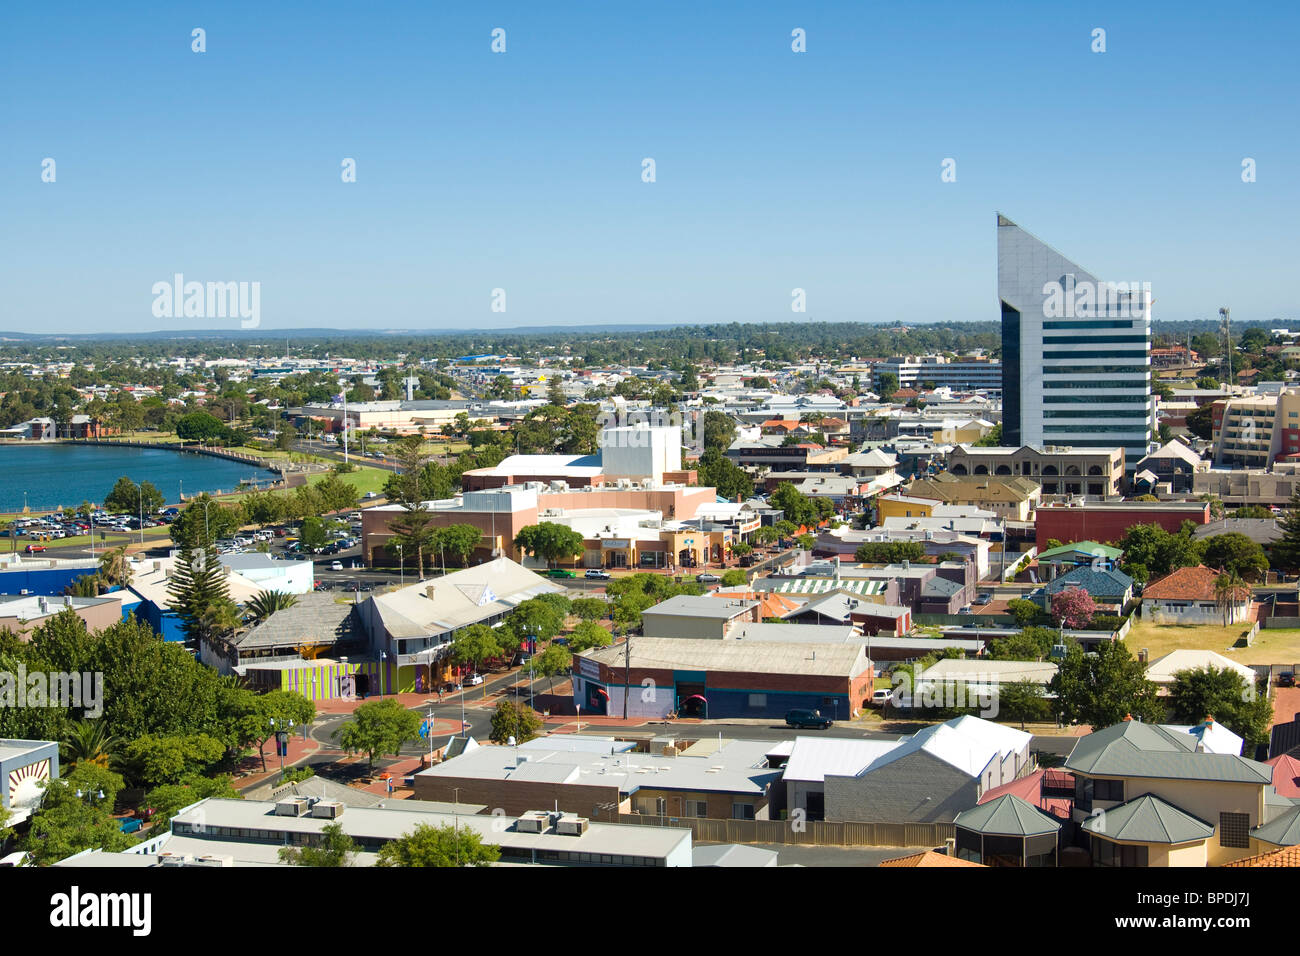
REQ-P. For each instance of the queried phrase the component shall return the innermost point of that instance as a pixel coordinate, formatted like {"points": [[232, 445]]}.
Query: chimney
{"points": [[428, 591]]}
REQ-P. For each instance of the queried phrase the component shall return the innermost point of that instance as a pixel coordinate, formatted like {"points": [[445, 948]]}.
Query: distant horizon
{"points": [[307, 332]]}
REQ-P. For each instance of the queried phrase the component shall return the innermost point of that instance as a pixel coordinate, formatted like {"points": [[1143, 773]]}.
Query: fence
{"points": [[812, 833]]}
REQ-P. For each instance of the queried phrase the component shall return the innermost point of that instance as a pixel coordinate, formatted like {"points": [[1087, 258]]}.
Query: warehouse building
{"points": [[715, 678]]}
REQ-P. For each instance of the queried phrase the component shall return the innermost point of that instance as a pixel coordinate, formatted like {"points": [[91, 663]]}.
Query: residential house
{"points": [[1146, 795], [1189, 596]]}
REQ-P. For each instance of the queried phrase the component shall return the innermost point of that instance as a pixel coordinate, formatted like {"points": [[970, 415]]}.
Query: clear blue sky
{"points": [[522, 171]]}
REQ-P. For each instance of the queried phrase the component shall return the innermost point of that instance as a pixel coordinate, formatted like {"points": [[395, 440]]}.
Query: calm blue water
{"points": [[66, 475]]}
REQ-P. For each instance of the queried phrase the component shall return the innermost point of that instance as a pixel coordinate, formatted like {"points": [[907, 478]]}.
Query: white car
{"points": [[474, 679], [336, 565]]}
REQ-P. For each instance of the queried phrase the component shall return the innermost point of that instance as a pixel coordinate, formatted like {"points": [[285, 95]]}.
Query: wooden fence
{"points": [[816, 833]]}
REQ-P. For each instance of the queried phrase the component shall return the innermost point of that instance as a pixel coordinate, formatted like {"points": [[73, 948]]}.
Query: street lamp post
{"points": [[401, 565], [281, 738], [383, 666]]}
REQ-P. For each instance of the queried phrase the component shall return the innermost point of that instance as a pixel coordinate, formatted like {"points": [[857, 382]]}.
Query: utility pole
{"points": [[627, 670]]}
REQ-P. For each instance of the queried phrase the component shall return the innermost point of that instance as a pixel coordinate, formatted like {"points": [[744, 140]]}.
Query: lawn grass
{"points": [[1281, 646]]}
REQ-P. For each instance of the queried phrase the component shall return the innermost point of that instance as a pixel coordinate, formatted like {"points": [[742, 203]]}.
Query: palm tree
{"points": [[114, 568], [1229, 591], [90, 741], [265, 603]]}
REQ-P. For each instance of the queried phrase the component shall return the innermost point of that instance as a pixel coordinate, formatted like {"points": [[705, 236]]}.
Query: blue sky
{"points": [[522, 170]]}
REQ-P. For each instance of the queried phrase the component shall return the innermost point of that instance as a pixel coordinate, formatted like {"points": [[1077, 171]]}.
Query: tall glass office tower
{"points": [[1076, 366]]}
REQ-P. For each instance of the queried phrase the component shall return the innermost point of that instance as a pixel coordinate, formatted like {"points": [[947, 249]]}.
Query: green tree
{"points": [[590, 609], [549, 541], [1030, 644], [162, 760], [458, 541], [1102, 689], [889, 552], [277, 710], [552, 662], [199, 594], [378, 727], [514, 720], [475, 646], [114, 568], [1022, 700], [1227, 697], [74, 816], [129, 498], [312, 536], [1201, 422], [89, 741], [734, 578], [1285, 552], [447, 845], [1235, 553], [265, 603], [717, 471], [334, 849], [1026, 612], [886, 386], [201, 427], [203, 521], [171, 798], [587, 635]]}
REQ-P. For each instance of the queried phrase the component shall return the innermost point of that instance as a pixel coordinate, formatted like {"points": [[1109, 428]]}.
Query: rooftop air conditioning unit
{"points": [[175, 859], [214, 861], [534, 821], [572, 825], [292, 807], [327, 809]]}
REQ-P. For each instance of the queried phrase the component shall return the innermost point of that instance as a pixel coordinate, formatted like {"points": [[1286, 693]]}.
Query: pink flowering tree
{"points": [[1073, 607]]}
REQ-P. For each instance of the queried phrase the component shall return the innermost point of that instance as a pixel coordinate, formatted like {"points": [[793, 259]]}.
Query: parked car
{"points": [[881, 697], [985, 598], [806, 720], [595, 575], [474, 679], [967, 610], [708, 578], [1284, 679], [371, 494], [560, 573]]}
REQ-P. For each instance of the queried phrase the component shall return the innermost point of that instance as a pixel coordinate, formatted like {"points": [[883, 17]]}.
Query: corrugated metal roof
{"points": [[1008, 815], [1148, 819], [1134, 749]]}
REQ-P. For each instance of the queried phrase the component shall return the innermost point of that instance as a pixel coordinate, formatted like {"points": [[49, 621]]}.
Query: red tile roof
{"points": [[1184, 584], [928, 859], [1287, 856]]}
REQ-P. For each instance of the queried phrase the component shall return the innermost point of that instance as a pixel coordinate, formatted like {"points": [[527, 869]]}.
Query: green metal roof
{"points": [[1148, 819], [1008, 815], [1134, 749], [1284, 830], [1095, 548]]}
